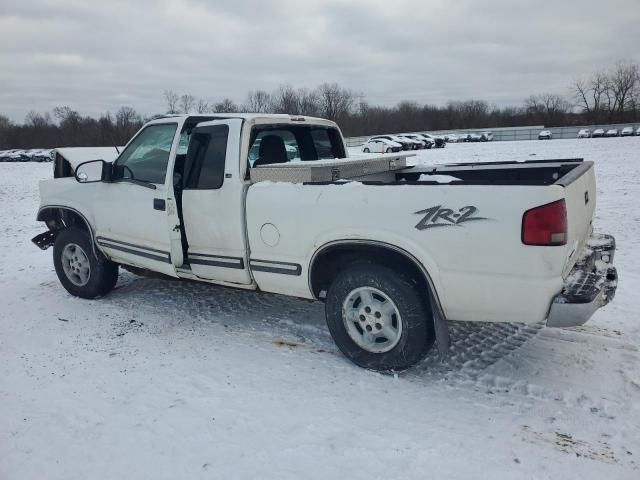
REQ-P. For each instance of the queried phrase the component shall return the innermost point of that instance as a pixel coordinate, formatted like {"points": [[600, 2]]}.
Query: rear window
{"points": [[294, 143]]}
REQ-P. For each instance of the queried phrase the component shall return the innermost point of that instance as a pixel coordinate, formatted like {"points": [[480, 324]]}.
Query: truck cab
{"points": [[173, 200]]}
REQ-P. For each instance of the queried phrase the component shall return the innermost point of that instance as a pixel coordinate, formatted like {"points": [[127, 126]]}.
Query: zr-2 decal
{"points": [[446, 217]]}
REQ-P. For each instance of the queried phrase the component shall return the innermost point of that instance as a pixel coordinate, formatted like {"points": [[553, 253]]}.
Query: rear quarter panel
{"points": [[480, 268]]}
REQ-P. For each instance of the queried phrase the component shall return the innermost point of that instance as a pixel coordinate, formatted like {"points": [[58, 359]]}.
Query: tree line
{"points": [[610, 95]]}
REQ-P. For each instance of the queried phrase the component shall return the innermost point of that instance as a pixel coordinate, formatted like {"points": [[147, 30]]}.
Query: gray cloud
{"points": [[97, 56]]}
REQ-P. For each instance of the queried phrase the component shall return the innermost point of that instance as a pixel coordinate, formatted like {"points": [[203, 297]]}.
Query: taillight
{"points": [[545, 225]]}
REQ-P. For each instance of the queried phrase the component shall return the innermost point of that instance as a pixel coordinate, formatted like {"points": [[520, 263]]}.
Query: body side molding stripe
{"points": [[216, 260], [164, 258], [119, 242], [270, 266]]}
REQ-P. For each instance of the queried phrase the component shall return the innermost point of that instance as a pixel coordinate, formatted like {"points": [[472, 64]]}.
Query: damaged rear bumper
{"points": [[590, 285]]}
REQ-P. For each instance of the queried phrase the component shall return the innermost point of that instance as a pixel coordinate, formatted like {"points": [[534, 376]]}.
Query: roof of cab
{"points": [[245, 116]]}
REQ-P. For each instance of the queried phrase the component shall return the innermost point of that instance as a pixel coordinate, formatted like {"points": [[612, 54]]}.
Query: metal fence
{"points": [[515, 133]]}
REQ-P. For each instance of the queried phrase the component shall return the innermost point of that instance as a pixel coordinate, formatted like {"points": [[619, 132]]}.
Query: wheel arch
{"points": [[328, 260], [59, 217]]}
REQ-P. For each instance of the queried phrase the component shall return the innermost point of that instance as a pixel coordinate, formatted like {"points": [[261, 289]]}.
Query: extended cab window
{"points": [[272, 146], [293, 143], [204, 164], [146, 158]]}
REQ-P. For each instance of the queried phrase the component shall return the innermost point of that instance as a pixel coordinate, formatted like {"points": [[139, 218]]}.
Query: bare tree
{"points": [[202, 106], [334, 100], [582, 94], [127, 119], [66, 115], [225, 106], [285, 100], [308, 102], [37, 120], [187, 102], [548, 107], [127, 122], [258, 101], [172, 101], [623, 82]]}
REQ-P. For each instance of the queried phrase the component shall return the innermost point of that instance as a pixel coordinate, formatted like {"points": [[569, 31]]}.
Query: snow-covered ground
{"points": [[178, 380]]}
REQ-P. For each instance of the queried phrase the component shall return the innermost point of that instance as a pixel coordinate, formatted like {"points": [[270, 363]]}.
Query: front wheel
{"points": [[389, 150], [378, 318], [81, 273], [366, 150]]}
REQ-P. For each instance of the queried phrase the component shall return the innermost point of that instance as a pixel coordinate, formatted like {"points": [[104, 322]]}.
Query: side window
{"points": [[204, 164], [322, 142], [146, 158], [257, 150]]}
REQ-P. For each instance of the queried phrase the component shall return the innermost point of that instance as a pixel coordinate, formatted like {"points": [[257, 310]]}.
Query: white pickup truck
{"points": [[273, 203]]}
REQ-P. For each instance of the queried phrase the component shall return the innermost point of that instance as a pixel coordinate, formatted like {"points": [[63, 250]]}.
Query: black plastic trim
{"points": [[216, 261], [110, 240], [118, 245], [159, 204], [574, 174], [274, 268]]}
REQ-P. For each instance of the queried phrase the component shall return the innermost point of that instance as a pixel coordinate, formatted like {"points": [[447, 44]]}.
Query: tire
{"points": [[413, 334], [366, 150], [97, 280], [389, 150]]}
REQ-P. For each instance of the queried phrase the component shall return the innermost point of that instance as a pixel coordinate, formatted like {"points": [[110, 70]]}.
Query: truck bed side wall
{"points": [[481, 269]]}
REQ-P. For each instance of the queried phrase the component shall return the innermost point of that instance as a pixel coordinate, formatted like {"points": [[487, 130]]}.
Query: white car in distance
{"points": [[627, 132], [545, 135], [612, 132], [381, 145], [584, 133]]}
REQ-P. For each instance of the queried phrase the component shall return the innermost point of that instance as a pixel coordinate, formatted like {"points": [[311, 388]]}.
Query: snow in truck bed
{"points": [[167, 380]]}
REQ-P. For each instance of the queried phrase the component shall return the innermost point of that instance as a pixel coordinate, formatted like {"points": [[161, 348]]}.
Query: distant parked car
{"points": [[627, 132], [381, 145], [436, 140], [612, 132], [406, 143], [486, 136], [415, 143], [451, 138], [545, 135], [18, 156], [424, 143], [598, 133], [471, 137], [584, 133], [638, 131]]}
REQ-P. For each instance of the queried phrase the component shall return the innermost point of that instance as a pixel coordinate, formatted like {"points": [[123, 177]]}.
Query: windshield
{"points": [[145, 158]]}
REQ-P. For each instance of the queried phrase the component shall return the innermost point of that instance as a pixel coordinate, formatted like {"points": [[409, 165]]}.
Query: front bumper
{"points": [[591, 285]]}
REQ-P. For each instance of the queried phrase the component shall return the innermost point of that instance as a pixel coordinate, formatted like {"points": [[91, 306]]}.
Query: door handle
{"points": [[159, 204]]}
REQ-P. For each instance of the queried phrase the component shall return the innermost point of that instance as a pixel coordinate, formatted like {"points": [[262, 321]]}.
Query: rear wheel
{"points": [[81, 273], [389, 150], [378, 318], [366, 150]]}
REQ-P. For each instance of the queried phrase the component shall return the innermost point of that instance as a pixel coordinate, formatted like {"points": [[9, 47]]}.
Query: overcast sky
{"points": [[98, 55]]}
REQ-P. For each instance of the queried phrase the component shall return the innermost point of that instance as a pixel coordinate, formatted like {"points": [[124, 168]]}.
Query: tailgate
{"points": [[580, 196]]}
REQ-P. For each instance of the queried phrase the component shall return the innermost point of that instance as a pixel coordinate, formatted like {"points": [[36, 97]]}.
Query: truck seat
{"points": [[272, 150]]}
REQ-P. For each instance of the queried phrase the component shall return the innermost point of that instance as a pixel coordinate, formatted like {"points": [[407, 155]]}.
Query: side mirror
{"points": [[93, 171]]}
